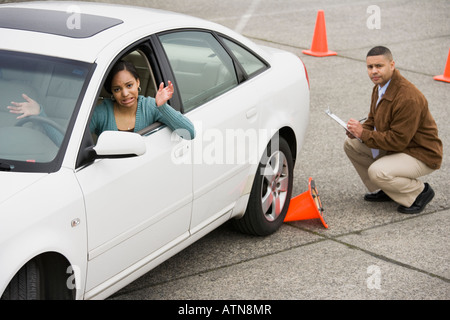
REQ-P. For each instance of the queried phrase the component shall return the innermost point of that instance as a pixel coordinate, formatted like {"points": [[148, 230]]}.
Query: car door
{"points": [[225, 117], [137, 207]]}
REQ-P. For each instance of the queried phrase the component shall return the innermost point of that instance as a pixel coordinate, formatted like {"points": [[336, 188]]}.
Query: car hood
{"points": [[12, 183]]}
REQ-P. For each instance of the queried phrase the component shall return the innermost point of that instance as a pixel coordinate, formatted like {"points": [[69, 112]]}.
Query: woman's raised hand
{"points": [[164, 94]]}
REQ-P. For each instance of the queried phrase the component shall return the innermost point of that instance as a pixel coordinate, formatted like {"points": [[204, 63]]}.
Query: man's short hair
{"points": [[380, 51]]}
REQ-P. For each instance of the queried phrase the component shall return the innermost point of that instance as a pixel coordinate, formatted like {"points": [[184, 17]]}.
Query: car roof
{"points": [[80, 30]]}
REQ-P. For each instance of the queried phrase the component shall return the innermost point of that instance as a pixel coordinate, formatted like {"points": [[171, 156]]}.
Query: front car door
{"points": [[136, 208]]}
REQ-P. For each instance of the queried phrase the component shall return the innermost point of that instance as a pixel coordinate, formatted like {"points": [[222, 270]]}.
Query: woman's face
{"points": [[125, 89]]}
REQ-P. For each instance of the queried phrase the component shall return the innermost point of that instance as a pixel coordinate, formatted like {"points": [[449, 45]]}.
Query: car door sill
{"points": [[226, 213]]}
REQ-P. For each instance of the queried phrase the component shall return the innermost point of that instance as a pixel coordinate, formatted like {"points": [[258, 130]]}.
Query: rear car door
{"points": [[225, 116]]}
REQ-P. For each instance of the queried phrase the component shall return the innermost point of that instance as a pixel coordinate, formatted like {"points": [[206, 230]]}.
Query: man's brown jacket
{"points": [[403, 123]]}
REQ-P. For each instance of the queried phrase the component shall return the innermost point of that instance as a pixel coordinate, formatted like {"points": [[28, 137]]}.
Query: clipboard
{"points": [[339, 121]]}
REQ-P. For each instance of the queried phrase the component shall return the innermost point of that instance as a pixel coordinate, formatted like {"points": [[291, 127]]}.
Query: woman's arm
{"points": [[174, 119]]}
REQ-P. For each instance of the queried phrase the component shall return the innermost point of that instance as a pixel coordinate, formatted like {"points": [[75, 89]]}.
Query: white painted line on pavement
{"points": [[246, 17]]}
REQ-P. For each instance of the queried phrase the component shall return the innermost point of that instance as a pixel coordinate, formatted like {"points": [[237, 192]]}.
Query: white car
{"points": [[81, 218]]}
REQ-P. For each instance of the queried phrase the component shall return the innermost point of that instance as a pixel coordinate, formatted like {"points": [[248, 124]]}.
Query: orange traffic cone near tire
{"points": [[306, 206], [446, 76], [319, 47]]}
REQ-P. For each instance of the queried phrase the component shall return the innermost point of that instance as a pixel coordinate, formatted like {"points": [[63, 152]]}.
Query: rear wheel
{"points": [[271, 191]]}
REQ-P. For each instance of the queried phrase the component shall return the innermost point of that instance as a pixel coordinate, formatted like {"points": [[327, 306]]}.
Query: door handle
{"points": [[181, 151]]}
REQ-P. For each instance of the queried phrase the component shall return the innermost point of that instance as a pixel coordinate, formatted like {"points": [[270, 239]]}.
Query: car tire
{"points": [[271, 191], [25, 285]]}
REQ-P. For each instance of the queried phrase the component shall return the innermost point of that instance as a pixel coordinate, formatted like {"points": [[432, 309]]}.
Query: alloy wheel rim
{"points": [[275, 184]]}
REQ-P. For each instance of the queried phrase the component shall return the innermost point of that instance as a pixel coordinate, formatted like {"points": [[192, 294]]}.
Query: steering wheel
{"points": [[41, 120]]}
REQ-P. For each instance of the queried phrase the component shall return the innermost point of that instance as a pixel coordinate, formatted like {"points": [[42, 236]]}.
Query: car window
{"points": [[148, 87], [55, 85], [202, 67], [251, 63]]}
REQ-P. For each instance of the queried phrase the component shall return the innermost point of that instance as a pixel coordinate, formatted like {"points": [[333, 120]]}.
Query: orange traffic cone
{"points": [[319, 47], [306, 206], [446, 76]]}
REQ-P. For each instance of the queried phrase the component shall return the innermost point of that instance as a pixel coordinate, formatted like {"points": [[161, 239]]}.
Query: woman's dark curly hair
{"points": [[120, 66]]}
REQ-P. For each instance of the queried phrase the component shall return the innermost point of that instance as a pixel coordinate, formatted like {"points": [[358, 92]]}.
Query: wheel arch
{"points": [[289, 135], [57, 277]]}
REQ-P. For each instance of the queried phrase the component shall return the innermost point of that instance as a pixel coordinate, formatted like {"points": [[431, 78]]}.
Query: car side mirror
{"points": [[116, 144]]}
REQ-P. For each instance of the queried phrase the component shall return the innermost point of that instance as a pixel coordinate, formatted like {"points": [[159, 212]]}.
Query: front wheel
{"points": [[271, 191], [25, 285]]}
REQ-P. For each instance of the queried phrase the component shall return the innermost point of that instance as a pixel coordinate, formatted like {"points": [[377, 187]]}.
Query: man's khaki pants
{"points": [[395, 174]]}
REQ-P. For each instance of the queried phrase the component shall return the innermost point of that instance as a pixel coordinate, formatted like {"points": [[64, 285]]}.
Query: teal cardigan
{"points": [[147, 113]]}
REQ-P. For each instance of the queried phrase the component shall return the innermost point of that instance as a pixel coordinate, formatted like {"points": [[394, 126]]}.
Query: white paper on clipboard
{"points": [[340, 121]]}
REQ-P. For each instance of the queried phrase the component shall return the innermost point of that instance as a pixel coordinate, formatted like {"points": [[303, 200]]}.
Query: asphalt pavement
{"points": [[370, 251]]}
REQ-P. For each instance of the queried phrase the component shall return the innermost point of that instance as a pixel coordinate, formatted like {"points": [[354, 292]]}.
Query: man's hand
{"points": [[355, 127]]}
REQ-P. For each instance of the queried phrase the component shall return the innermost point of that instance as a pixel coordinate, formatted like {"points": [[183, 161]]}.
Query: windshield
{"points": [[38, 97]]}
